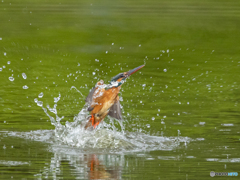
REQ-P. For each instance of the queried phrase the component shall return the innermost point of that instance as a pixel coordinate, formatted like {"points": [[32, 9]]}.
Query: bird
{"points": [[103, 99]]}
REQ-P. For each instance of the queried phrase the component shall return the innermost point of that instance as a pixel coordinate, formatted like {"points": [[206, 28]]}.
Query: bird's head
{"points": [[118, 80]]}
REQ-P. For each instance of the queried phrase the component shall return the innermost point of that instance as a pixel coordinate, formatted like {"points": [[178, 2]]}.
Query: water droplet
{"points": [[11, 78], [112, 43], [153, 118], [0, 38], [40, 95], [139, 45], [56, 99], [165, 70], [180, 103], [25, 87], [93, 73], [201, 123], [158, 110], [24, 76], [179, 133], [5, 53], [9, 62], [140, 101], [144, 85], [40, 103], [148, 125], [187, 102], [106, 52], [0, 69]]}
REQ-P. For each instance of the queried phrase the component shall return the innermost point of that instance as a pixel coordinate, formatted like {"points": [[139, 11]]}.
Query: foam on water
{"points": [[106, 137], [13, 163]]}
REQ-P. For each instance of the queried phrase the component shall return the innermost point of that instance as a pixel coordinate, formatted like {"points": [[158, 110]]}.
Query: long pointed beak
{"points": [[129, 73]]}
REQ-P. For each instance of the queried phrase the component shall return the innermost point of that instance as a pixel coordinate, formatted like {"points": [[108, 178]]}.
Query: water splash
{"points": [[109, 136]]}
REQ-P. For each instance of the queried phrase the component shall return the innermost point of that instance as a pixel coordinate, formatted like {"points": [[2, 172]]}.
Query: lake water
{"points": [[180, 112]]}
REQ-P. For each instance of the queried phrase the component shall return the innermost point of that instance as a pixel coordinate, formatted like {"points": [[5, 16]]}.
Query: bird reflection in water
{"points": [[99, 171]]}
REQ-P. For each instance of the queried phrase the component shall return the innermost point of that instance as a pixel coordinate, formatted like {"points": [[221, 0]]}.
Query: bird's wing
{"points": [[115, 111], [89, 98]]}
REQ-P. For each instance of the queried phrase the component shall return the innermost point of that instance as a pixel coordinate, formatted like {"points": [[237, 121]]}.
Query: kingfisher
{"points": [[103, 99]]}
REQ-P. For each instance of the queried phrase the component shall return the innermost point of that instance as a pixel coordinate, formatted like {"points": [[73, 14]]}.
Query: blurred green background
{"points": [[190, 82]]}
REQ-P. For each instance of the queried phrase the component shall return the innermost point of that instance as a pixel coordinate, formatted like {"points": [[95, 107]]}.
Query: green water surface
{"points": [[189, 86]]}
